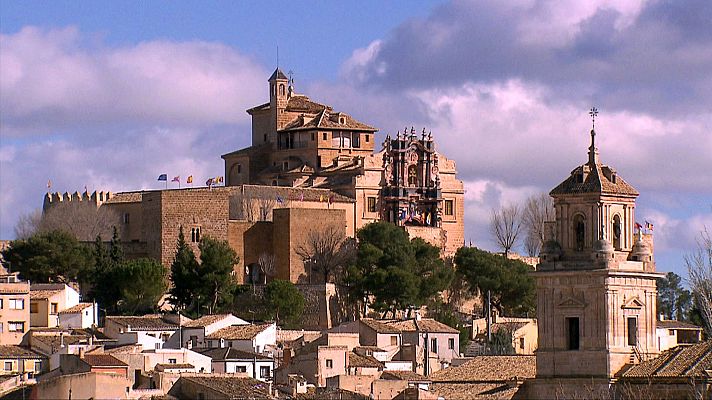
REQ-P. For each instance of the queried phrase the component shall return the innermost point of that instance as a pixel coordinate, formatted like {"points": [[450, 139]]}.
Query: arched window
{"points": [[281, 89], [413, 175], [617, 232], [579, 232]]}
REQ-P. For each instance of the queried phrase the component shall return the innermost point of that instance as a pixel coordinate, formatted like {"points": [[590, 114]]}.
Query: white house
{"points": [[47, 300], [250, 338], [150, 331], [83, 315], [193, 332], [672, 333], [227, 360], [179, 358]]}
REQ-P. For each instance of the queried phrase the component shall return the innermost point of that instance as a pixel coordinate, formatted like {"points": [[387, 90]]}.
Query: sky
{"points": [[108, 95]]}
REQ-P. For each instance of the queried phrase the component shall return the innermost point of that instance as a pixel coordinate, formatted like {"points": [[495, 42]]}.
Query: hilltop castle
{"points": [[308, 167]]}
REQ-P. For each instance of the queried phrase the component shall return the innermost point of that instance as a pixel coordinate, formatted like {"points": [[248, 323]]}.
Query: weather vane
{"points": [[593, 113]]}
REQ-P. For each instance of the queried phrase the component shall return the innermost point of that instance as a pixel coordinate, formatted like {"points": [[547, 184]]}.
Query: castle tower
{"points": [[596, 280], [279, 92]]}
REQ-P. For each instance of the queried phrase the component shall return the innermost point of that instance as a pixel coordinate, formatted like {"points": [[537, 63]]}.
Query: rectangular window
{"points": [[324, 136], [329, 364], [264, 372], [449, 207], [53, 308], [434, 345], [572, 333], [367, 138], [0, 303], [172, 361], [34, 309], [371, 204], [357, 141], [394, 340], [312, 136], [16, 326], [521, 343], [632, 331], [239, 168], [264, 138], [38, 366], [451, 344], [126, 218], [241, 368], [8, 365], [17, 304]]}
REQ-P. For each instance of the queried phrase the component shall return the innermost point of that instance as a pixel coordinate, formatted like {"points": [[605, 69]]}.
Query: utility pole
{"points": [[489, 318]]}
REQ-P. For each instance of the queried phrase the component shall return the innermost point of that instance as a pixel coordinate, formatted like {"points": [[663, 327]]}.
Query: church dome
{"points": [[641, 248]]}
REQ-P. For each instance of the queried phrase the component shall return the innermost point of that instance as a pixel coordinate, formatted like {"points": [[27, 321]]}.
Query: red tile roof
{"points": [[238, 332], [78, 308], [489, 369], [680, 361], [423, 325], [103, 360]]}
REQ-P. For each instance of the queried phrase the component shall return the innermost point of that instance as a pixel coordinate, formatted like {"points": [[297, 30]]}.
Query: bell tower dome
{"points": [[279, 93], [596, 282]]}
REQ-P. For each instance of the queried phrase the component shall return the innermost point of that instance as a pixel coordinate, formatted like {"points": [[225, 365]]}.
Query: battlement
{"points": [[96, 198]]}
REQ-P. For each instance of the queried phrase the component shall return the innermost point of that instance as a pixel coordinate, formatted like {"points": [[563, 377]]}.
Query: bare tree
{"points": [[505, 226], [82, 219], [538, 209], [243, 206], [699, 271], [265, 205], [327, 251], [267, 265], [28, 224]]}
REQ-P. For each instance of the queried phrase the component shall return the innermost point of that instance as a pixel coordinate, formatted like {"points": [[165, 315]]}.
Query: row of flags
{"points": [[648, 226], [189, 180]]}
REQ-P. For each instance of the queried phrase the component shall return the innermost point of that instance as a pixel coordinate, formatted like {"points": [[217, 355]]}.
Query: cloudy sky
{"points": [[110, 95]]}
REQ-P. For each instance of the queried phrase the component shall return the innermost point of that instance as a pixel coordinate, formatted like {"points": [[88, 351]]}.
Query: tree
{"points": [[501, 343], [327, 251], [183, 274], [674, 301], [538, 209], [699, 270], [284, 300], [511, 287], [83, 219], [44, 257], [267, 265], [142, 283], [505, 226], [393, 272], [28, 224], [215, 273]]}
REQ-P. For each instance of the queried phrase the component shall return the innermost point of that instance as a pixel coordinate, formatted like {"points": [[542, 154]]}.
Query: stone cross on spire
{"points": [[592, 151]]}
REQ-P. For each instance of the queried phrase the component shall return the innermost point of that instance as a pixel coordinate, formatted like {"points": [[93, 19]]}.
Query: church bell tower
{"points": [[596, 282]]}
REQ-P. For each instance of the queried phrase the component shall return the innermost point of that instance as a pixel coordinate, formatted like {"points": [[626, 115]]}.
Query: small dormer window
{"points": [[285, 165], [579, 177], [613, 177], [342, 120]]}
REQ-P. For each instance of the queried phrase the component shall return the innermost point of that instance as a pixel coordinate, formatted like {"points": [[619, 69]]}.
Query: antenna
{"points": [[277, 56]]}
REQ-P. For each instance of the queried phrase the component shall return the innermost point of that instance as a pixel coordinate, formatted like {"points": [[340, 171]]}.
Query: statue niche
{"points": [[579, 232], [617, 232]]}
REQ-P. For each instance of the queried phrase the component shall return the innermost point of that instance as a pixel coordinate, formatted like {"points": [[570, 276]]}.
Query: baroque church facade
{"points": [[308, 167]]}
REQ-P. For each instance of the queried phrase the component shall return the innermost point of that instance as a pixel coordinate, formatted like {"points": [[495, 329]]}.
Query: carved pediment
{"points": [[633, 303], [571, 302]]}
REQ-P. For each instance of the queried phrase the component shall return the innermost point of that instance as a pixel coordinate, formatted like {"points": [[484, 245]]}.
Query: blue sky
{"points": [[110, 94]]}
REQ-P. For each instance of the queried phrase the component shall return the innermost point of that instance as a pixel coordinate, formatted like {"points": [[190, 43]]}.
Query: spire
{"points": [[593, 151]]}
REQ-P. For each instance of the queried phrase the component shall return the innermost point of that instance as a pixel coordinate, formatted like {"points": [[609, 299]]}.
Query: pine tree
{"points": [[184, 274], [117, 252]]}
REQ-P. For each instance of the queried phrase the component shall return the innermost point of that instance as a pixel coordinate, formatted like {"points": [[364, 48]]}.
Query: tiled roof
{"points": [[332, 393], [478, 391], [423, 325], [680, 361], [232, 386], [325, 119], [10, 351], [356, 361], [173, 366], [489, 369], [125, 349], [596, 181], [238, 332], [206, 320], [302, 103], [43, 294], [415, 393], [409, 376], [667, 324], [103, 360], [378, 326], [78, 308], [278, 74], [228, 353], [54, 342], [264, 147], [144, 323]]}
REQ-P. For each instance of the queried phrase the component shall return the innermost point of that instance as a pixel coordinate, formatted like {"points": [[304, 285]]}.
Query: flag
{"points": [[648, 225], [209, 182], [220, 179], [190, 179], [49, 183], [176, 179], [280, 200], [162, 177], [638, 226]]}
